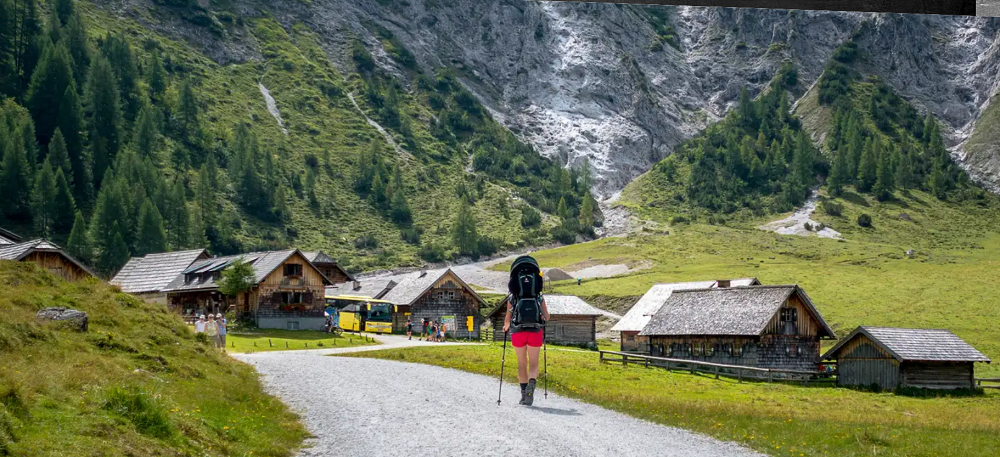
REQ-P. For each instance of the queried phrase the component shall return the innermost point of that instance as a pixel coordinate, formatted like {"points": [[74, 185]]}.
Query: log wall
{"points": [[58, 265], [448, 298], [863, 363]]}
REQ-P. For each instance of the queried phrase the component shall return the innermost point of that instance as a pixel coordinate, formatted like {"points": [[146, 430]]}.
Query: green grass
{"points": [[777, 419], [284, 340], [138, 383]]}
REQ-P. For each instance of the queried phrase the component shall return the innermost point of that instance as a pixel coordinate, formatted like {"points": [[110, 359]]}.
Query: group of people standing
{"points": [[432, 330], [214, 327]]}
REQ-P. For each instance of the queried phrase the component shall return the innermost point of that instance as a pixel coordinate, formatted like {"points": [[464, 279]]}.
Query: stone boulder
{"points": [[77, 320]]}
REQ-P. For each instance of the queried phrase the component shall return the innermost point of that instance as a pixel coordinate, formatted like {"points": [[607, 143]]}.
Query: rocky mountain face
{"points": [[599, 81]]}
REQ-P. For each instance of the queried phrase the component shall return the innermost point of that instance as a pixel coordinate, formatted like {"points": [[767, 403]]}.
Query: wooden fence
{"points": [[980, 381], [717, 369]]}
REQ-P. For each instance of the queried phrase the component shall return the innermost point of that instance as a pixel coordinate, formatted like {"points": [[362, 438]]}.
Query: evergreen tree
{"points": [[157, 77], [562, 210], [28, 142], [110, 209], [188, 112], [43, 196], [178, 220], [58, 155], [938, 182], [64, 10], [868, 168], [105, 116], [64, 207], [311, 188], [746, 111], [25, 49], [280, 210], [70, 124], [856, 146], [198, 238], [48, 84], [79, 245], [884, 182], [145, 136], [839, 176], [122, 62], [115, 253], [15, 179], [904, 172], [464, 233], [152, 236], [7, 30], [377, 193], [54, 28], [398, 204], [75, 37], [205, 197], [587, 211]]}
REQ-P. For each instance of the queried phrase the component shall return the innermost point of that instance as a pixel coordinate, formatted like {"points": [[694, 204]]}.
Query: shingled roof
{"points": [[372, 288], [19, 251], [414, 285], [154, 272], [638, 316], [8, 237], [560, 305], [915, 345], [737, 311], [264, 263]]}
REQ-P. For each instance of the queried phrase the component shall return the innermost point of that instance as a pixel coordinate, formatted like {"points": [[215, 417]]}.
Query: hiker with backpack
{"points": [[525, 320]]}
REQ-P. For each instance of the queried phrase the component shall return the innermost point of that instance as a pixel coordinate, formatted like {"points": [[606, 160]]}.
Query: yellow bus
{"points": [[362, 313]]}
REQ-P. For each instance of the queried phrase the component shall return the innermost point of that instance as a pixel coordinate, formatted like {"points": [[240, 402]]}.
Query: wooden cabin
{"points": [[47, 255], [774, 327], [889, 358], [148, 277], [438, 295], [572, 321], [638, 316]]}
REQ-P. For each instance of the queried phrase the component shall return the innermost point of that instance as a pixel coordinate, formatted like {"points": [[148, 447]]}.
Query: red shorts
{"points": [[533, 339]]}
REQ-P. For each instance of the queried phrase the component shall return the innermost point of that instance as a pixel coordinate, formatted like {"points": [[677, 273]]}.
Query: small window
{"points": [[792, 350], [789, 315], [291, 325], [630, 338], [293, 269], [291, 298]]}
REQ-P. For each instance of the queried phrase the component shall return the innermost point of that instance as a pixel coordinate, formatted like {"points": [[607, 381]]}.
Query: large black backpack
{"points": [[525, 287]]}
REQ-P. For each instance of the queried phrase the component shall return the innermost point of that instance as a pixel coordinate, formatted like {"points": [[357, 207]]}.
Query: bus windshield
{"points": [[380, 313]]}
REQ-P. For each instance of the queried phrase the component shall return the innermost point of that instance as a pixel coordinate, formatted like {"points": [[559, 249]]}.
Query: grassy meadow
{"points": [[777, 419], [138, 383], [267, 340]]}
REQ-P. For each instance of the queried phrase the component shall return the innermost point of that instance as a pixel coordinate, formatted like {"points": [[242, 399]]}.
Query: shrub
{"points": [[312, 161], [678, 220], [864, 220], [487, 246], [832, 208], [431, 252], [564, 236], [366, 241], [530, 217], [140, 408], [411, 235]]}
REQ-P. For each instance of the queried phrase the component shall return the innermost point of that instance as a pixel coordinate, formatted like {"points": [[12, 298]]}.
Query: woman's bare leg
{"points": [[522, 365], [532, 362]]}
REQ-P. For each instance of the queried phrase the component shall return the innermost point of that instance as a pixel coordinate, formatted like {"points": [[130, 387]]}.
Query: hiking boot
{"points": [[523, 398], [529, 393]]}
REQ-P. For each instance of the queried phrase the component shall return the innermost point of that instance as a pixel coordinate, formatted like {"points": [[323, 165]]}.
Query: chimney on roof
{"points": [[722, 283], [423, 273], [357, 285]]}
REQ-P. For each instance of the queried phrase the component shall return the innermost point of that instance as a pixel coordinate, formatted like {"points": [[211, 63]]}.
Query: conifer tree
{"points": [[43, 196], [105, 116], [152, 236], [115, 253], [938, 182], [280, 211], [27, 128], [398, 204], [904, 172], [52, 76], [562, 210], [26, 28], [179, 220], [188, 112], [144, 138], [311, 188], [122, 62], [377, 194], [58, 155], [197, 238], [75, 37], [205, 197], [7, 32], [884, 182], [64, 10], [70, 124], [839, 176], [64, 207], [79, 245], [587, 211], [15, 179], [868, 168], [464, 233], [157, 77], [54, 26]]}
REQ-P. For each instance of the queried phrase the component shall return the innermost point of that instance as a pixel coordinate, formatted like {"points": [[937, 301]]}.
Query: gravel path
{"points": [[375, 407]]}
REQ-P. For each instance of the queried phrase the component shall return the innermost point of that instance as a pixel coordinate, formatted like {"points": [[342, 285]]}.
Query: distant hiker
{"points": [[409, 329], [434, 331], [199, 325], [525, 320], [578, 281], [444, 328], [212, 330], [222, 325], [423, 333]]}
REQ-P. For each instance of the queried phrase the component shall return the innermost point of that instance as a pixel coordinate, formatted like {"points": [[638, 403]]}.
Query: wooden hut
{"points": [[774, 327], [572, 321], [638, 316], [148, 277], [47, 255], [329, 267], [891, 358], [438, 295]]}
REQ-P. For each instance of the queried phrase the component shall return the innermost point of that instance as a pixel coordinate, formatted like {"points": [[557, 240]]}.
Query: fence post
{"points": [[770, 376], [739, 375], [716, 372]]}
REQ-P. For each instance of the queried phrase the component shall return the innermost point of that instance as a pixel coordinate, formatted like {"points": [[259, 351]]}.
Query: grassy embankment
{"points": [[138, 383], [780, 420], [285, 340]]}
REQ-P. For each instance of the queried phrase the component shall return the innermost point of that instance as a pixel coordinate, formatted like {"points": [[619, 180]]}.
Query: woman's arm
{"points": [[506, 320], [545, 310]]}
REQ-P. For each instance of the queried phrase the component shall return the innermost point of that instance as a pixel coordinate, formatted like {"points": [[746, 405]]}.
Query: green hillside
{"points": [[137, 383], [196, 138]]}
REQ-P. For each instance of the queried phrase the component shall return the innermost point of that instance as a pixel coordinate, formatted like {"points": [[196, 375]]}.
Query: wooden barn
{"points": [[891, 358], [147, 277], [436, 295], [775, 327], [47, 255], [638, 316], [329, 267], [572, 321]]}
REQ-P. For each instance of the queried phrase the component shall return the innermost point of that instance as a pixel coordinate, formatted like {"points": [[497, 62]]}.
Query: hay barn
{"points": [[775, 327], [638, 316], [890, 358]]}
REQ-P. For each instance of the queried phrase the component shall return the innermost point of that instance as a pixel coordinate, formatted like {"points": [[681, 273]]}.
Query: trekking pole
{"points": [[545, 362], [503, 358]]}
